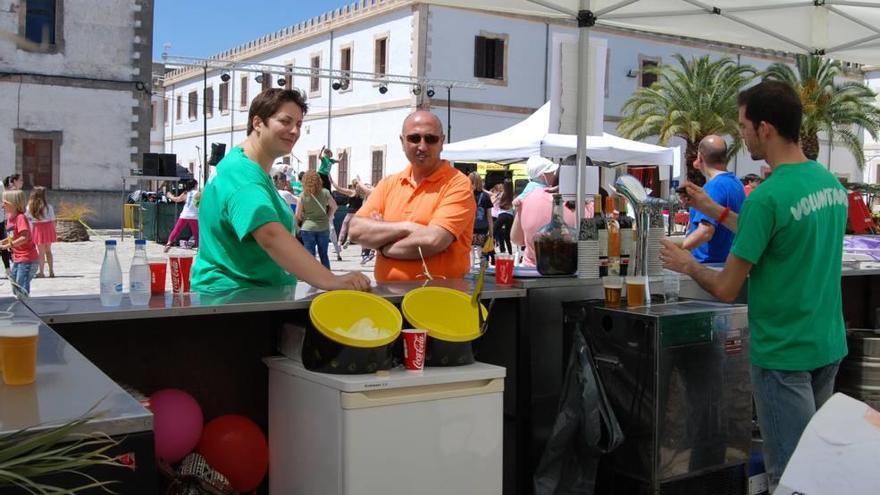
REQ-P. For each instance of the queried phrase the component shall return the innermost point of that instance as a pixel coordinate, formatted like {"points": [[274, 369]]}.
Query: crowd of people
{"points": [[27, 232], [423, 222]]}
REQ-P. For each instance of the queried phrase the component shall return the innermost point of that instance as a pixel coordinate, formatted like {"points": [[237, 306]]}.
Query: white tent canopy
{"points": [[520, 140], [840, 29], [530, 137]]}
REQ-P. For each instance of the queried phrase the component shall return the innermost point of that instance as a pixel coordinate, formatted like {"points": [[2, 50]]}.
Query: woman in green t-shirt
{"points": [[246, 229], [316, 210]]}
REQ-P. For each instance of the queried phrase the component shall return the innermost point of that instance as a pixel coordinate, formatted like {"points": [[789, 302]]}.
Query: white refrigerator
{"points": [[388, 433]]}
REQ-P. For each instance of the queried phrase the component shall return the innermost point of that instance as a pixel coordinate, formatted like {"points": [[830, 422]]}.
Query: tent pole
{"points": [[586, 20]]}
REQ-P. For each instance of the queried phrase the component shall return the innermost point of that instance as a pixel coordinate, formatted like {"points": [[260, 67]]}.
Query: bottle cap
{"points": [[110, 242]]}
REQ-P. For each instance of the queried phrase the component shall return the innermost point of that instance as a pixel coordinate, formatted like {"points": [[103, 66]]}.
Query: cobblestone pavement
{"points": [[78, 264]]}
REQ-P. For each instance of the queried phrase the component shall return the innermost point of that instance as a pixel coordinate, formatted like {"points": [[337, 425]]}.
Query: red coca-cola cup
{"points": [[158, 269], [414, 343], [503, 269], [180, 267]]}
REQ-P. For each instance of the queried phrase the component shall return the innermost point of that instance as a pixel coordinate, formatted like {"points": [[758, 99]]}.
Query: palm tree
{"points": [[691, 101], [836, 109]]}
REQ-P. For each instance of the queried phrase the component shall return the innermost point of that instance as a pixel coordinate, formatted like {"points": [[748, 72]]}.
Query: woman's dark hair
{"points": [[775, 103], [267, 104], [748, 178], [10, 179], [506, 200]]}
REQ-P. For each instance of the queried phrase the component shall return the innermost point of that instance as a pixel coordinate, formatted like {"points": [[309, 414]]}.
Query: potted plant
{"points": [[70, 222], [27, 457]]}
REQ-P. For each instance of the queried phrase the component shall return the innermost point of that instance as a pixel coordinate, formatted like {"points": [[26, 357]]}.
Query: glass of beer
{"points": [[4, 315], [613, 289], [18, 344], [635, 291]]}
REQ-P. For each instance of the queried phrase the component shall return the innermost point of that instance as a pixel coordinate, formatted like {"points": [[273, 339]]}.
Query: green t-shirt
{"points": [[297, 187], [315, 216], [238, 199], [791, 229], [326, 165]]}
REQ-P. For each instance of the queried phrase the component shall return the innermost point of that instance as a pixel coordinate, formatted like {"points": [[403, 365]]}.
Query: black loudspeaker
{"points": [[151, 164], [168, 165], [218, 151]]}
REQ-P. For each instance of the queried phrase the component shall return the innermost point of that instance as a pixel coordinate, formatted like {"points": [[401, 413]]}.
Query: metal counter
{"points": [[67, 386], [86, 308]]}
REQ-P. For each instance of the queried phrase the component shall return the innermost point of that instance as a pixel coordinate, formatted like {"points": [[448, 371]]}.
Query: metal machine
{"points": [[677, 376]]}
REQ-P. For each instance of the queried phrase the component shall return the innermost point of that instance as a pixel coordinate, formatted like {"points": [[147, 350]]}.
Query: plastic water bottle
{"points": [[111, 276], [139, 275]]}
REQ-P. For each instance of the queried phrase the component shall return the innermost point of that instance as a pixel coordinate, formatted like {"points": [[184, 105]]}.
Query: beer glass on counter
{"points": [[635, 290], [18, 344], [613, 290]]}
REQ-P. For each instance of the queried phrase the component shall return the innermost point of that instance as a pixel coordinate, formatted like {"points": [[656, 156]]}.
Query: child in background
{"points": [[42, 217], [25, 259]]}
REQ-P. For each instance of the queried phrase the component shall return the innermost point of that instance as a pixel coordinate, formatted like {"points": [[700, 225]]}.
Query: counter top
{"points": [[860, 268], [67, 386], [85, 308]]}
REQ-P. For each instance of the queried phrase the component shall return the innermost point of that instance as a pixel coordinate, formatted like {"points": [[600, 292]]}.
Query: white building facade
{"points": [[75, 90], [872, 146], [516, 58]]}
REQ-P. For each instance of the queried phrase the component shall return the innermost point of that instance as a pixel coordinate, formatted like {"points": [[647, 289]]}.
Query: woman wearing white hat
{"points": [[542, 175]]}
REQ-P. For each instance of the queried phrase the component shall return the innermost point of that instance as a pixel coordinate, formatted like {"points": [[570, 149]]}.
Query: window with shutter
{"points": [[224, 97], [489, 57], [380, 57], [39, 22], [288, 77], [243, 92], [313, 161], [342, 167], [209, 102], [314, 80], [647, 79], [193, 107], [378, 169]]}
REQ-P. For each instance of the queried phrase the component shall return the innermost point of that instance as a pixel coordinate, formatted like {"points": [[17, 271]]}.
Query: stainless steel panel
{"points": [[678, 378], [85, 308], [67, 386]]}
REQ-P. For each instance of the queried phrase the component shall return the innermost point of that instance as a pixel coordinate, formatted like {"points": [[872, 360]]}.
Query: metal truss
{"points": [[343, 76]]}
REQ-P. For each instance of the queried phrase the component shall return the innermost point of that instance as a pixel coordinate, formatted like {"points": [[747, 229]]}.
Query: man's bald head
{"points": [[714, 151], [423, 117]]}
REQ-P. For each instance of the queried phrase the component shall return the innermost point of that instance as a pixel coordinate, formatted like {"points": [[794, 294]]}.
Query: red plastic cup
{"points": [[503, 269], [414, 343], [158, 269], [180, 267]]}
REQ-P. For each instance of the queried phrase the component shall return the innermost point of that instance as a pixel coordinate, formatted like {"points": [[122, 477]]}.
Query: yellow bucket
{"points": [[333, 313], [447, 314]]}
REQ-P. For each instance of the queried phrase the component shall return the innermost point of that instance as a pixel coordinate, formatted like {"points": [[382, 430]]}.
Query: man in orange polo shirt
{"points": [[429, 205]]}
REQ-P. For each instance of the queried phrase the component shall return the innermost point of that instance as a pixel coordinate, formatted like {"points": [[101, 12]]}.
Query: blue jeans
{"points": [[785, 402], [22, 274], [319, 240]]}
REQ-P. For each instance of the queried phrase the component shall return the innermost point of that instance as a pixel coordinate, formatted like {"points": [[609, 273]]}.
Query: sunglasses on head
{"points": [[417, 138]]}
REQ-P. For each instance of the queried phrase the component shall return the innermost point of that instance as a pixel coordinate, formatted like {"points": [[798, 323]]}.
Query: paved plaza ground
{"points": [[78, 264]]}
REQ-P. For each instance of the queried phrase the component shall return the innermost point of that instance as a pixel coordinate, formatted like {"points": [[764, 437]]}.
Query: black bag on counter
{"points": [[585, 429]]}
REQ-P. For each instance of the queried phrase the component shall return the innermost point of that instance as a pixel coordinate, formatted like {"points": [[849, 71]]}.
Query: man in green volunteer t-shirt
{"points": [[789, 242]]}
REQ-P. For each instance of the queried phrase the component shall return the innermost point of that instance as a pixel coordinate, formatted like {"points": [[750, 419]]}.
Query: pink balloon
{"points": [[177, 424]]}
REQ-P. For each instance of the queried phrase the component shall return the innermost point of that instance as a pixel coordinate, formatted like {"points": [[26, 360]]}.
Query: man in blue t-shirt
{"points": [[707, 239]]}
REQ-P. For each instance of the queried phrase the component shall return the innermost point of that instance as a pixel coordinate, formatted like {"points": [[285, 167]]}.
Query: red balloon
{"points": [[236, 447]]}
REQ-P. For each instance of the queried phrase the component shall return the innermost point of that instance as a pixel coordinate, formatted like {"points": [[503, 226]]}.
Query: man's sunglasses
{"points": [[417, 138]]}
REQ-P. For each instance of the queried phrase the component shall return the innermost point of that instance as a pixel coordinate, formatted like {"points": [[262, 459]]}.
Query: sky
{"points": [[201, 28]]}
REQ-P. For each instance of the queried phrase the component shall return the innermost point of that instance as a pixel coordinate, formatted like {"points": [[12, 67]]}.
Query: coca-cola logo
{"points": [[414, 351], [419, 350]]}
